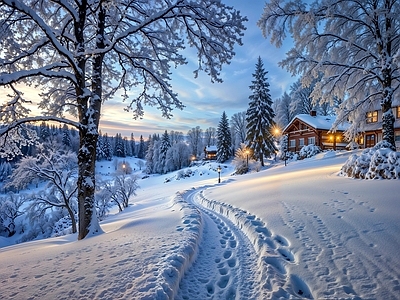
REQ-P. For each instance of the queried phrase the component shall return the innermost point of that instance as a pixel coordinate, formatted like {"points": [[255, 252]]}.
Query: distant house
{"points": [[307, 129], [372, 130], [210, 153]]}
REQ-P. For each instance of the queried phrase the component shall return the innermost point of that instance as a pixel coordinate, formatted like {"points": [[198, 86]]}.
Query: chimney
{"points": [[313, 113]]}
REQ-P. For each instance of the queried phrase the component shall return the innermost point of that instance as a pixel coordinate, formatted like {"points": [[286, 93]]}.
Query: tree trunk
{"points": [[72, 216], [386, 107], [86, 183], [385, 51], [90, 107]]}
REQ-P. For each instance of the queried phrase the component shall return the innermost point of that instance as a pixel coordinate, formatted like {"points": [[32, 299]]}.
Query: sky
{"points": [[205, 101], [287, 232]]}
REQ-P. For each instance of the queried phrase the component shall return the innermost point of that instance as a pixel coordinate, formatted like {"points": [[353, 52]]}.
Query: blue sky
{"points": [[205, 101]]}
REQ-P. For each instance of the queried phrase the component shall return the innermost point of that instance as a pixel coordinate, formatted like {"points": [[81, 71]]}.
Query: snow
{"points": [[295, 231], [321, 122]]}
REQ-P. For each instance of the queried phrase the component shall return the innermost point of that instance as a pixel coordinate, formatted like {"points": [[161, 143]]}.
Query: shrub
{"points": [[309, 151], [379, 162]]}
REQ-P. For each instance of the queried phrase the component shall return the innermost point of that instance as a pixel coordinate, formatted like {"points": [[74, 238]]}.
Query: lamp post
{"points": [[247, 157], [124, 167], [219, 174]]}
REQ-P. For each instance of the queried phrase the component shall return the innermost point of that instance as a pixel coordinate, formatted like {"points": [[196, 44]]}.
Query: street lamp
{"points": [[219, 174], [124, 167], [247, 157]]}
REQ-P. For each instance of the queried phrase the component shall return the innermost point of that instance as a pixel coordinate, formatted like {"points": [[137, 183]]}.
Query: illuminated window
{"points": [[370, 140], [398, 112], [372, 116]]}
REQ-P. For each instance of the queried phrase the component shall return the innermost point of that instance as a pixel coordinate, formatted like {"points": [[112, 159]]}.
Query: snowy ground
{"points": [[298, 231]]}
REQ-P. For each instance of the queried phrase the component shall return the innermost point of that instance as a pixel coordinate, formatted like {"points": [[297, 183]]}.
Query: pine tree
{"points": [[259, 116], [132, 145], [107, 150], [119, 148], [44, 131], [149, 156], [223, 139], [165, 145], [142, 148], [66, 138], [100, 147]]}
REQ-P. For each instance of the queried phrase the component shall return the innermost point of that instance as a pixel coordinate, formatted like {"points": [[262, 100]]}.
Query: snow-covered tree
{"points": [[132, 145], [10, 210], [66, 138], [100, 148], [121, 189], [284, 111], [302, 102], [195, 140], [210, 138], [107, 149], [58, 169], [119, 146], [164, 146], [5, 170], [354, 44], [238, 127], [176, 137], [80, 53], [177, 157], [259, 116], [142, 148], [224, 141]]}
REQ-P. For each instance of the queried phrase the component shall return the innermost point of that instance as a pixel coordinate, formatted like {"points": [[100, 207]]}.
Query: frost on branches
{"points": [[353, 44], [81, 53]]}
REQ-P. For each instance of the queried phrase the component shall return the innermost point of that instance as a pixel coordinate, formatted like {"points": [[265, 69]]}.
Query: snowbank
{"points": [[272, 251], [373, 163]]}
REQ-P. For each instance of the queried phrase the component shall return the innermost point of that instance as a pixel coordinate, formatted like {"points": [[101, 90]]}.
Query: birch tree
{"points": [[353, 44], [81, 53]]}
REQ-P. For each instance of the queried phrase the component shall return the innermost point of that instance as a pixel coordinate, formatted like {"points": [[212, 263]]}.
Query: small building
{"points": [[372, 130], [210, 153], [307, 129]]}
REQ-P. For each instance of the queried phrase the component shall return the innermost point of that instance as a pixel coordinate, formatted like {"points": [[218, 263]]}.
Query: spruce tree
{"points": [[66, 139], [142, 148], [132, 145], [107, 149], [149, 156], [223, 139], [259, 116]]}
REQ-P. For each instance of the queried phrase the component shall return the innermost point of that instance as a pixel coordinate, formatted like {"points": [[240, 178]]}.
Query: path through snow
{"points": [[238, 257], [225, 266]]}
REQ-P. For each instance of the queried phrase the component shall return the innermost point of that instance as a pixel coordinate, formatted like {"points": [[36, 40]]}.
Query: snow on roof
{"points": [[319, 122]]}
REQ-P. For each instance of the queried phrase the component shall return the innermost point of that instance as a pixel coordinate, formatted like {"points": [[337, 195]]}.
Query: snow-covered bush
{"points": [[241, 160], [102, 202], [309, 151], [184, 174], [62, 227], [379, 162]]}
